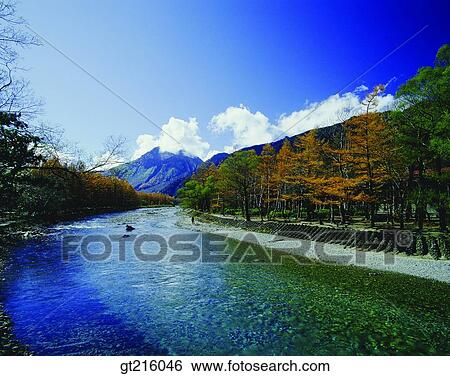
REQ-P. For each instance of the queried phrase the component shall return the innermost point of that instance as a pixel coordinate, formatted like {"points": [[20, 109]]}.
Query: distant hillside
{"points": [[165, 172], [217, 158], [324, 133], [157, 171]]}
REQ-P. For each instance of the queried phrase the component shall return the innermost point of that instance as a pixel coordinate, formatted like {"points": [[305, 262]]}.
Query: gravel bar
{"points": [[330, 253]]}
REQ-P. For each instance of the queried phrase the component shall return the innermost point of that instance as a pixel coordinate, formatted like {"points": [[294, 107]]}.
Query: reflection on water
{"points": [[134, 307]]}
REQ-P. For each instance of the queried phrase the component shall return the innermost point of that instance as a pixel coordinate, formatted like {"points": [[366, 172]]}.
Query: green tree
{"points": [[424, 126], [197, 194], [239, 174], [18, 150]]}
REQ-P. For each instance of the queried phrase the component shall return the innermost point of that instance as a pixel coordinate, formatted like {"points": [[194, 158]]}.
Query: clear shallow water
{"points": [[134, 307]]}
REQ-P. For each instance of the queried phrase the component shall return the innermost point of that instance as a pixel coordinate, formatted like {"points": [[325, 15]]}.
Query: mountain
{"points": [[217, 159], [165, 172], [324, 133], [157, 171]]}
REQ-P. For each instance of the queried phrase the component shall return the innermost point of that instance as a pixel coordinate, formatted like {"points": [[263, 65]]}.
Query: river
{"points": [[76, 306]]}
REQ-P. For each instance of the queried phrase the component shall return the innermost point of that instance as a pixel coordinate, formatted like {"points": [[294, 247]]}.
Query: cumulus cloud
{"points": [[226, 149], [255, 128], [178, 134], [361, 88], [334, 109], [385, 102], [247, 128], [145, 142]]}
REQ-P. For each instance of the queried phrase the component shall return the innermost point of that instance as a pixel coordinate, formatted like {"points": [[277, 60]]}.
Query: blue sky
{"points": [[219, 74]]}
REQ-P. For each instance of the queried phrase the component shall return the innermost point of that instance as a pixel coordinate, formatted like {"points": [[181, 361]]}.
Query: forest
{"points": [[33, 185], [379, 169]]}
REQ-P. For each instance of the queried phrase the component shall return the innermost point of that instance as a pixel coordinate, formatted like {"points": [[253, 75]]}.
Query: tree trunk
{"points": [[372, 214], [246, 209], [442, 209], [420, 210], [408, 212], [401, 209], [342, 213], [401, 217]]}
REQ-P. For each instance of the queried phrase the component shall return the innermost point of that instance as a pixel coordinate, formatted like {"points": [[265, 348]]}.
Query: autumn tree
{"points": [[308, 170], [283, 165], [266, 173], [341, 183], [154, 199], [366, 147]]}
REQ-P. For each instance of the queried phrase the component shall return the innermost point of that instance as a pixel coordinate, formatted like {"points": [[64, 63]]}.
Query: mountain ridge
{"points": [[323, 133], [157, 171], [166, 172]]}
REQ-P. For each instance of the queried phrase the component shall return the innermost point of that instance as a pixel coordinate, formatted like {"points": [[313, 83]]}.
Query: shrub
{"points": [[445, 246], [434, 249], [423, 246]]}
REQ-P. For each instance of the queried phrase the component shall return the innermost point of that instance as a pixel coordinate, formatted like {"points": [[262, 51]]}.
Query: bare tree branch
{"points": [[15, 94], [112, 155]]}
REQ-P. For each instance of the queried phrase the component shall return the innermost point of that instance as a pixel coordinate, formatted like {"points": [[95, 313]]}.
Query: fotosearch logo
{"points": [[176, 248], [221, 247]]}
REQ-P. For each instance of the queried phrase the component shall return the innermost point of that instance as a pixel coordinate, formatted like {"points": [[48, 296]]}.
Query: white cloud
{"points": [[177, 135], [145, 142], [334, 109], [247, 128], [211, 153], [255, 128], [386, 102], [226, 149], [360, 89]]}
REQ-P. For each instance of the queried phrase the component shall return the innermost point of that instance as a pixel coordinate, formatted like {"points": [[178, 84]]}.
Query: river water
{"points": [[131, 307]]}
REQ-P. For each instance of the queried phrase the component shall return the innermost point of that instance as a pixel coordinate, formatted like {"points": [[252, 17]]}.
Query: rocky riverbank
{"points": [[11, 234], [9, 344], [323, 244]]}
